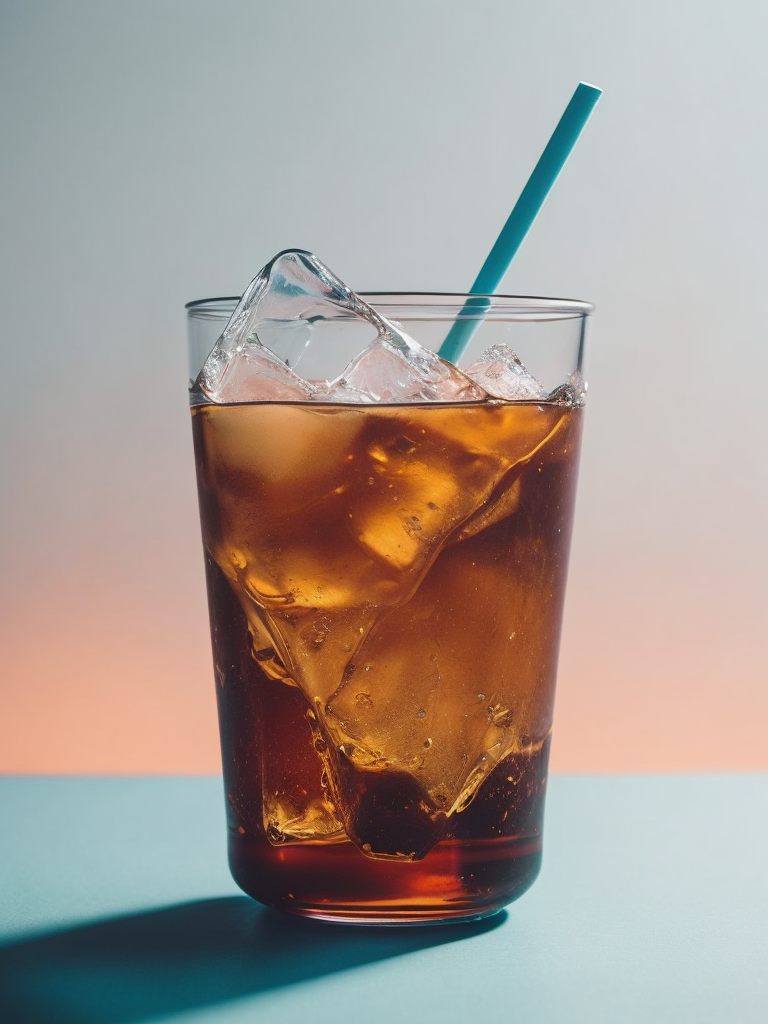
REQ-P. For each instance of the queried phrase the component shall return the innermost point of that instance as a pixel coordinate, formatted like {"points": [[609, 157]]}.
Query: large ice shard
{"points": [[260, 351]]}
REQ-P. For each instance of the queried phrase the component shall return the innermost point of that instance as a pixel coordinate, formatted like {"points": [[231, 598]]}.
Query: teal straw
{"points": [[531, 200]]}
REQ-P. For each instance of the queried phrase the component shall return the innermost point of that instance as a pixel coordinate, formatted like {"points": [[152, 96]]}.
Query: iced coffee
{"points": [[386, 557]]}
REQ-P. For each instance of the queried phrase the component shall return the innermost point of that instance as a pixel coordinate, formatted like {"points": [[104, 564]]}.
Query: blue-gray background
{"points": [[155, 152]]}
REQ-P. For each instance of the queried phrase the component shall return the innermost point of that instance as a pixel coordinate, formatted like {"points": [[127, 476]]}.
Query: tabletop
{"points": [[117, 907]]}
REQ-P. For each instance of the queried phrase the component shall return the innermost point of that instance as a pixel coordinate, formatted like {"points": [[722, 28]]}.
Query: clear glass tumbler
{"points": [[386, 585]]}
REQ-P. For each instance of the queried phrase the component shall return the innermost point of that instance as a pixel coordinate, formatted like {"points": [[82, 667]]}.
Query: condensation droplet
{"points": [[412, 524]]}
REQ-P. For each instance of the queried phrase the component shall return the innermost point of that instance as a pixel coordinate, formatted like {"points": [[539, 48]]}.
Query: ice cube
{"points": [[253, 374], [284, 309], [499, 372], [423, 701], [573, 393], [295, 286], [276, 318], [395, 369]]}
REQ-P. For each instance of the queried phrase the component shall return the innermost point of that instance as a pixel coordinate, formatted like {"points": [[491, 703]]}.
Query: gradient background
{"points": [[156, 152]]}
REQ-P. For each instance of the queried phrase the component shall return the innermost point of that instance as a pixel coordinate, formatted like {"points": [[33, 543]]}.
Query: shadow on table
{"points": [[188, 956]]}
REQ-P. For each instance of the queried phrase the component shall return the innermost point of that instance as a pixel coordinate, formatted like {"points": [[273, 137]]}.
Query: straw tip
{"points": [[594, 90]]}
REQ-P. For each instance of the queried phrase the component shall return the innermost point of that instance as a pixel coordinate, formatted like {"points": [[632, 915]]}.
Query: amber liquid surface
{"points": [[385, 590]]}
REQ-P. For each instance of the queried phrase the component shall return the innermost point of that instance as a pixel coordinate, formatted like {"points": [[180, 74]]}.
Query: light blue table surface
{"points": [[117, 907]]}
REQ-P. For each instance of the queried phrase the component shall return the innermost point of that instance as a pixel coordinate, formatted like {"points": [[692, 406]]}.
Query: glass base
{"points": [[458, 881]]}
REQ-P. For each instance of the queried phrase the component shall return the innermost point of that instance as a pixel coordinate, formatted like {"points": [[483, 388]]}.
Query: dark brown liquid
{"points": [[385, 588]]}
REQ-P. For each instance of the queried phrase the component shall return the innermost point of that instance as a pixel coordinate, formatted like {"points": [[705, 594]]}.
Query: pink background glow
{"points": [[155, 156]]}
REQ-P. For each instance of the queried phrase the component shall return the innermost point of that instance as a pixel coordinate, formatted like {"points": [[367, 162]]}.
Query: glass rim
{"points": [[498, 306]]}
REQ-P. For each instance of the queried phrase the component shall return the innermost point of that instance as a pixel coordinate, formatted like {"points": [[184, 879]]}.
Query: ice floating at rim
{"points": [[284, 300], [403, 372], [255, 375], [502, 375], [284, 303]]}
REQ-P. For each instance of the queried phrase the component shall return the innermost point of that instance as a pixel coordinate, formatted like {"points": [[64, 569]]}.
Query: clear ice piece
{"points": [[397, 369], [254, 374], [274, 323], [573, 393], [272, 326], [499, 372], [283, 301]]}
